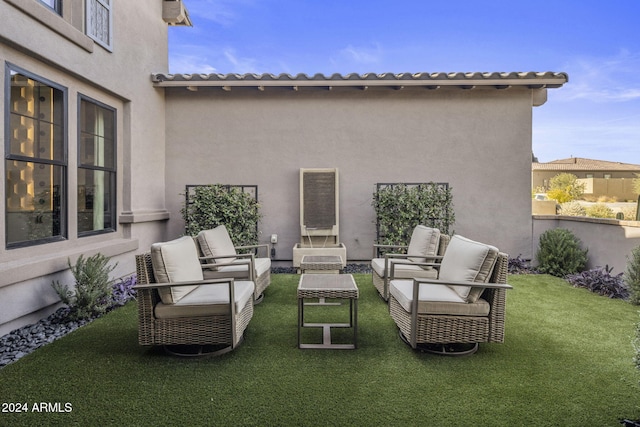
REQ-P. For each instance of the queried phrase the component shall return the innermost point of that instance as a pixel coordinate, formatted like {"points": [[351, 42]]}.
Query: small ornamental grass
{"points": [[600, 281]]}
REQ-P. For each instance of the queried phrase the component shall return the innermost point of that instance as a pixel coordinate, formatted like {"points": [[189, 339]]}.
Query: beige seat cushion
{"points": [[404, 270], [176, 261], [424, 241], [468, 261], [207, 300], [215, 243], [240, 270], [436, 299]]}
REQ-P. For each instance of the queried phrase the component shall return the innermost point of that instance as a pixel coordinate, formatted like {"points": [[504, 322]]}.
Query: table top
{"points": [[328, 283]]}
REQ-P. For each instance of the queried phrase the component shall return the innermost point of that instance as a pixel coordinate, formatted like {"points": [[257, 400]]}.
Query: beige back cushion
{"points": [[176, 261], [424, 241], [468, 261], [216, 242]]}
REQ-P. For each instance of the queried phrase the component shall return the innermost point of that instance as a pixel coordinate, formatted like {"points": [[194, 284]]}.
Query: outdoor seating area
{"points": [[104, 373]]}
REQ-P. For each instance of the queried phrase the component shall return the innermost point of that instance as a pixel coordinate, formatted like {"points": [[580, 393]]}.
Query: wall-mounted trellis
{"points": [[234, 206], [401, 206]]}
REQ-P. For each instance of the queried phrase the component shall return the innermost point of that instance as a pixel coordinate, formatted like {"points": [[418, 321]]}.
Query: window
{"points": [[96, 167], [35, 160], [54, 4], [98, 22]]}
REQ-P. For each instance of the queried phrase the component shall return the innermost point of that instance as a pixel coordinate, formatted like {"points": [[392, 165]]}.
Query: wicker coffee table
{"points": [[322, 286], [323, 264]]}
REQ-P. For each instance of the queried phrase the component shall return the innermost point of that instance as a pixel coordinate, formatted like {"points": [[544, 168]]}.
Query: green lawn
{"points": [[566, 361]]}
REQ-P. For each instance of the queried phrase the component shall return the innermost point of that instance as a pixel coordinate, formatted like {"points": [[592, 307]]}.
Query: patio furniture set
{"points": [[446, 294]]}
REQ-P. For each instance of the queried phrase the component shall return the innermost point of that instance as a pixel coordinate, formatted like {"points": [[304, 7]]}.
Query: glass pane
{"points": [[33, 201], [37, 119], [95, 200], [97, 143]]}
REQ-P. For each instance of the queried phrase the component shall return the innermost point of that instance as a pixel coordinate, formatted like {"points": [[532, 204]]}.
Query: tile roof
{"points": [[532, 80], [582, 164]]}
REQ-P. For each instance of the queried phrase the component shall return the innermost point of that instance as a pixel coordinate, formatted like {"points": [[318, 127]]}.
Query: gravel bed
{"points": [[20, 342]]}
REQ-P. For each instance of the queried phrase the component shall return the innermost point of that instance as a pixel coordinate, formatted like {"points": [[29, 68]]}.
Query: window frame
{"points": [[57, 6], [10, 69], [108, 5], [111, 171]]}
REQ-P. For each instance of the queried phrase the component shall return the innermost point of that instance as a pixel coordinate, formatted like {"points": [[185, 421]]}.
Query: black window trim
{"points": [[113, 172], [64, 198]]}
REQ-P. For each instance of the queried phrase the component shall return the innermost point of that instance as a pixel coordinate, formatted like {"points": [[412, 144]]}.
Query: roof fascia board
{"points": [[499, 83]]}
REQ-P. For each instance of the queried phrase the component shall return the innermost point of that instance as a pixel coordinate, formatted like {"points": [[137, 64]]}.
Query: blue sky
{"points": [[596, 115]]}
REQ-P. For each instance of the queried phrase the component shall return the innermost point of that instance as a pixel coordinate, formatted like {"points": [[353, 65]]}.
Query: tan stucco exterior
{"points": [[472, 131], [55, 48], [479, 141]]}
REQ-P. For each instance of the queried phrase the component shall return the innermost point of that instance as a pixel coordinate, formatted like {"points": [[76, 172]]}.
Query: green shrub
{"points": [[600, 210], [565, 187], [560, 253], [632, 275], [399, 208], [212, 205], [93, 289], [629, 212], [572, 208]]}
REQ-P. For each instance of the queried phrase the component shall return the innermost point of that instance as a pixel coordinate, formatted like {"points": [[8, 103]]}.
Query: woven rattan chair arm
{"points": [[457, 283], [187, 283]]}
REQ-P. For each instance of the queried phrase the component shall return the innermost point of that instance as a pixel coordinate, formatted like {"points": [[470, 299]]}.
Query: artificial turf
{"points": [[566, 361]]}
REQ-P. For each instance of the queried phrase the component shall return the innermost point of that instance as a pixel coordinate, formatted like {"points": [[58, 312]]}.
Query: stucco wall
{"points": [[479, 141], [609, 241], [35, 39]]}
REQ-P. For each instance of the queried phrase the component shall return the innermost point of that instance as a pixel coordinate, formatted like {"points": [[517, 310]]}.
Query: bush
{"points": [[629, 212], [123, 291], [518, 265], [632, 275], [572, 208], [600, 281], [560, 254], [600, 210], [399, 208], [93, 292], [564, 187], [212, 205]]}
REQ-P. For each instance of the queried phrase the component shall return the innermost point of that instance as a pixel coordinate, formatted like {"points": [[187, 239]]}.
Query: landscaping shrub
{"points": [[600, 210], [600, 281], [560, 253], [629, 212], [92, 295], [122, 291], [400, 207], [518, 265], [565, 187], [212, 205], [572, 208], [632, 276]]}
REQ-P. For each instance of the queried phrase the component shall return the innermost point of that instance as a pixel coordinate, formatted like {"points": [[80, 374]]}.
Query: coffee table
{"points": [[322, 286], [321, 264]]}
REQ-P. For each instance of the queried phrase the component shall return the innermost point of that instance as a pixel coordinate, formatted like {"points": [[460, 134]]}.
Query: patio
{"points": [[566, 360]]}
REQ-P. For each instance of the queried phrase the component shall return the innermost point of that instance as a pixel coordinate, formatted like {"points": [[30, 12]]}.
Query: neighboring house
{"points": [[601, 178], [98, 153]]}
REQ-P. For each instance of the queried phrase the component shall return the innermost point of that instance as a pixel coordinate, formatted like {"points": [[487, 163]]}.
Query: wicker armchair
{"points": [[464, 307], [223, 258], [426, 244], [187, 315]]}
